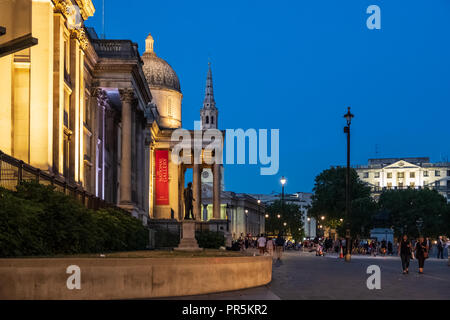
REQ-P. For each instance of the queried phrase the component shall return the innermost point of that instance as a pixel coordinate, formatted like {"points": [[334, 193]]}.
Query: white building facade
{"points": [[404, 173]]}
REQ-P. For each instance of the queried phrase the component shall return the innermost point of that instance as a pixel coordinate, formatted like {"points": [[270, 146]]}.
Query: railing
{"points": [[14, 171], [116, 49], [431, 187]]}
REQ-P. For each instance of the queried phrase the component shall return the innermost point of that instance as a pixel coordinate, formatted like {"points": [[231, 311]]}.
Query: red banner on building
{"points": [[162, 177]]}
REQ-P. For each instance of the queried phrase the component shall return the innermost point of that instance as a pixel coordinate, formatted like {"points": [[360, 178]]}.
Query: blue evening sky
{"points": [[296, 66]]}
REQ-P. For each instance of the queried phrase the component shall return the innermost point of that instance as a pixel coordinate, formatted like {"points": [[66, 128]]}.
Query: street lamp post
{"points": [[283, 182], [348, 116], [309, 228]]}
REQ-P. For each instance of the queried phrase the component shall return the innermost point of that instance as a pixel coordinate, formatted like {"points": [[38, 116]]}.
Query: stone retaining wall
{"points": [[130, 278]]}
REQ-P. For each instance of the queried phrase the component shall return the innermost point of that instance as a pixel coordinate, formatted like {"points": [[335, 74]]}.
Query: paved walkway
{"points": [[304, 276]]}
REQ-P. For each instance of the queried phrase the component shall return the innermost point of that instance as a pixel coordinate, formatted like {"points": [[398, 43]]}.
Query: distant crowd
{"points": [[419, 248]]}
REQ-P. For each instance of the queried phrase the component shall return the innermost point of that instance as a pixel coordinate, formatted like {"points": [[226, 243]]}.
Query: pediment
{"points": [[401, 164]]}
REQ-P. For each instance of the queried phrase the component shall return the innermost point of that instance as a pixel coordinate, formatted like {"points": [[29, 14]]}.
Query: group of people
{"points": [[419, 250], [271, 245]]}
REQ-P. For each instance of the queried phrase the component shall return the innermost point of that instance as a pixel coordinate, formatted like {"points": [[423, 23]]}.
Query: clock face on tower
{"points": [[205, 174]]}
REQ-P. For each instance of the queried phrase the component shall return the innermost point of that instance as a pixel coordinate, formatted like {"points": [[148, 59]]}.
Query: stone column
{"points": [[216, 191], [127, 97], [99, 138], [196, 185]]}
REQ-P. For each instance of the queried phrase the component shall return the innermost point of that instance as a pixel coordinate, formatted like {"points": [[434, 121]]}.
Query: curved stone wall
{"points": [[129, 278]]}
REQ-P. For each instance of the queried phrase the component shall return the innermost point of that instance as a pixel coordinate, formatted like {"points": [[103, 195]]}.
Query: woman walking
{"points": [[405, 251], [421, 250], [269, 247]]}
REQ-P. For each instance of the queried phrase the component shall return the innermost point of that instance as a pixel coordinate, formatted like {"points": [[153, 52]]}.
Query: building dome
{"points": [[164, 86], [158, 72]]}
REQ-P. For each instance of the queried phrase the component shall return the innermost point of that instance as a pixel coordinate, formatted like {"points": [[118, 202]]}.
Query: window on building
{"points": [[366, 175], [448, 173], [169, 107], [376, 174], [425, 173], [389, 175], [389, 185], [378, 184], [437, 183], [400, 175], [400, 185], [412, 184], [87, 113], [437, 173], [212, 119], [207, 120], [412, 174], [66, 56]]}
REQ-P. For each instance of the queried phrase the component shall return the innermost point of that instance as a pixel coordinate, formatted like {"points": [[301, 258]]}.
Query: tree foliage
{"points": [[289, 214], [36, 220], [403, 207], [329, 201], [406, 207]]}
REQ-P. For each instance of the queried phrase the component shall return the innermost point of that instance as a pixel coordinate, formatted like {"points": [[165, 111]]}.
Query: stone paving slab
{"points": [[303, 276]]}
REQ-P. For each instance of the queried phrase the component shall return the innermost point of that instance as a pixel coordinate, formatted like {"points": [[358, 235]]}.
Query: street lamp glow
{"points": [[283, 181], [309, 219], [279, 216], [259, 201], [267, 216], [285, 224], [342, 220], [323, 218]]}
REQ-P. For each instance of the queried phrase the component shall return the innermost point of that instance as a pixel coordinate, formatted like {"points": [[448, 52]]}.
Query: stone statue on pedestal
{"points": [[188, 203]]}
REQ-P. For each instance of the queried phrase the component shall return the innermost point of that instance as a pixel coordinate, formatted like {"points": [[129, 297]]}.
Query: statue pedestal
{"points": [[188, 241]]}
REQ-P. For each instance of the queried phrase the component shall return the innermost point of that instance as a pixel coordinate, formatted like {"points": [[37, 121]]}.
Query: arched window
{"points": [[207, 120], [212, 120]]}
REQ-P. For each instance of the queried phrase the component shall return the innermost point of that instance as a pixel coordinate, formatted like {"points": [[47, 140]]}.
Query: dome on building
{"points": [[158, 72]]}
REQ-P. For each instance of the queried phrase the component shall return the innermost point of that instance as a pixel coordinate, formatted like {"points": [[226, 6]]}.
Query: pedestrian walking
{"points": [[405, 252], [421, 250], [269, 247], [279, 242], [390, 249], [440, 248], [429, 244], [261, 244]]}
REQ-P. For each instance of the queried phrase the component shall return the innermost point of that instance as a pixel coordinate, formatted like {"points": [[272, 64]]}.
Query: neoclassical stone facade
{"points": [[78, 107], [403, 173]]}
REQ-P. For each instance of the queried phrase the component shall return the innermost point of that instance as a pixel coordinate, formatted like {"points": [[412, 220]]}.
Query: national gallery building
{"points": [[95, 114]]}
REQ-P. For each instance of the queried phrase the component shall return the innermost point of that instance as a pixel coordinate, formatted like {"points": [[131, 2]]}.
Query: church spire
{"points": [[209, 102], [209, 113]]}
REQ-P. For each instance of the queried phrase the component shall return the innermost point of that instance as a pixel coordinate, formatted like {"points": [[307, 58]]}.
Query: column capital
{"points": [[100, 94], [127, 95], [80, 35]]}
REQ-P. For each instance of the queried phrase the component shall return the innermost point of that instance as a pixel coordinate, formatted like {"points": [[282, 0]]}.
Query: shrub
{"points": [[36, 220], [210, 239]]}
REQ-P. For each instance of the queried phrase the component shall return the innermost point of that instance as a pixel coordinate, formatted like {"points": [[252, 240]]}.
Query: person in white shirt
{"points": [[269, 247], [261, 244]]}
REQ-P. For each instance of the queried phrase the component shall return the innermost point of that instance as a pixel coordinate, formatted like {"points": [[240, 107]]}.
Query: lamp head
{"points": [[348, 116]]}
